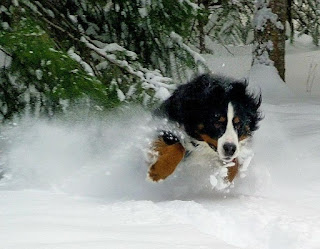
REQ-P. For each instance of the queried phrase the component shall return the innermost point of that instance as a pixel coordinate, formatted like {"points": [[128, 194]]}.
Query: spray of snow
{"points": [[106, 158]]}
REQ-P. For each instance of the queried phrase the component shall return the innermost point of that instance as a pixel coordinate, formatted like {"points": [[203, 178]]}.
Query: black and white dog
{"points": [[215, 112]]}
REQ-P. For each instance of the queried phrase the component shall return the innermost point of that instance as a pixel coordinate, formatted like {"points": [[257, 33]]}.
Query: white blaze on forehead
{"points": [[230, 135], [230, 132]]}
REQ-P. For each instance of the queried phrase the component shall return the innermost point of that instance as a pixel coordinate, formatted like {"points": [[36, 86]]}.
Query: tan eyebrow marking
{"points": [[236, 120], [222, 119], [246, 135], [200, 126], [243, 137]]}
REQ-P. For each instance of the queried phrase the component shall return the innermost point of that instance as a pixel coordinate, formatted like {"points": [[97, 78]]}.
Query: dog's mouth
{"points": [[227, 160]]}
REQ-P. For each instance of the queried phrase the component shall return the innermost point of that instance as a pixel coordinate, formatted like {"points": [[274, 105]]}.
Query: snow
{"points": [[262, 50], [121, 95], [263, 14], [5, 25], [73, 18], [3, 9], [150, 79], [198, 59], [80, 183], [193, 5], [265, 79], [300, 57], [39, 74], [73, 55], [162, 94], [15, 2], [143, 12], [5, 60]]}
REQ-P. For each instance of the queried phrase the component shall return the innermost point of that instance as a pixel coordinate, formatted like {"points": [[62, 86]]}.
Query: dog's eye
{"points": [[236, 123], [217, 115], [236, 120], [212, 146], [237, 126]]}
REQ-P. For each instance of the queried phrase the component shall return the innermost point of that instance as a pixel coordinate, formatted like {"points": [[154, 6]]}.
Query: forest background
{"points": [[96, 54]]}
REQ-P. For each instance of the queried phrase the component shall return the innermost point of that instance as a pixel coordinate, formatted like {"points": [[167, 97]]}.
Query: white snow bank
{"points": [[105, 158], [286, 158], [37, 220], [302, 63], [267, 79], [303, 70]]}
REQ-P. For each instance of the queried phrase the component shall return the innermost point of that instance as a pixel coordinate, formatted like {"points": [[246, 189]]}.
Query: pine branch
{"points": [[5, 52], [125, 66]]}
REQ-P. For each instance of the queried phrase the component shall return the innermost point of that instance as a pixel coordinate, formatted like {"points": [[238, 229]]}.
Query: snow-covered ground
{"points": [[302, 64], [81, 183]]}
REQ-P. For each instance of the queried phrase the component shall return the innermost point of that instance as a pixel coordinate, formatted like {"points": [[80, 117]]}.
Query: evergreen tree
{"points": [[98, 52], [305, 16], [269, 26], [230, 22]]}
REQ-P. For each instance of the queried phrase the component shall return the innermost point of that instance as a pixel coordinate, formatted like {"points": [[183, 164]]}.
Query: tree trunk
{"points": [[201, 24], [278, 36], [270, 37]]}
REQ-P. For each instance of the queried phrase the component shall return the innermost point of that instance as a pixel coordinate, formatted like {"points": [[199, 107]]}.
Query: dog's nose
{"points": [[229, 149]]}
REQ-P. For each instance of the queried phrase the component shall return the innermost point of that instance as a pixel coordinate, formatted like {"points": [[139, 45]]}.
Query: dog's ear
{"points": [[185, 102], [238, 90], [249, 102]]}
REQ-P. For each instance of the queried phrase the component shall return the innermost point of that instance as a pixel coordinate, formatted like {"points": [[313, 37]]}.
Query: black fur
{"points": [[204, 100]]}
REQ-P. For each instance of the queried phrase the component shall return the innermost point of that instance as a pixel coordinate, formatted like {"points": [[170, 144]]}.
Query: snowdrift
{"points": [[82, 184]]}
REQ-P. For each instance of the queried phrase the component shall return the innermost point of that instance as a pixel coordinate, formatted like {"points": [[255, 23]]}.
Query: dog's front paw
{"points": [[168, 159], [155, 175]]}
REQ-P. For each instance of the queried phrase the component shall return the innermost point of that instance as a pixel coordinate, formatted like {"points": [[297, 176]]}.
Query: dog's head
{"points": [[218, 110]]}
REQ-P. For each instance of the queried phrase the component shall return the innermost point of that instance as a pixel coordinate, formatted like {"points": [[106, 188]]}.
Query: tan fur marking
{"points": [[169, 156], [209, 140], [243, 137], [236, 120], [222, 119], [200, 126], [233, 170]]}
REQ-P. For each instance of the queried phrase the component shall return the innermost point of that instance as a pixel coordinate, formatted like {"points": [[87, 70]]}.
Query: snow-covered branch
{"points": [[198, 59], [151, 79], [263, 15]]}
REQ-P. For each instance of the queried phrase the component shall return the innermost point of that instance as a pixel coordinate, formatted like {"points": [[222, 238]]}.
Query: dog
{"points": [[213, 111]]}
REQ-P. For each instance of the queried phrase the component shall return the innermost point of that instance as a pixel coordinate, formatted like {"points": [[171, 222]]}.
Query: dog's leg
{"points": [[169, 156], [233, 170]]}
